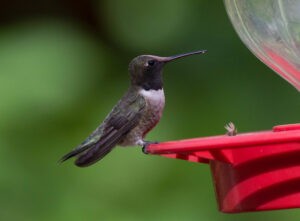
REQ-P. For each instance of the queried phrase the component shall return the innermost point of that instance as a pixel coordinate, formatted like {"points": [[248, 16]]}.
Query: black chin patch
{"points": [[152, 85]]}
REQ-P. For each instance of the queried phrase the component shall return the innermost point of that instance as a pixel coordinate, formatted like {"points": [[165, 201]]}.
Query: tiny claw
{"points": [[146, 144], [144, 149], [231, 129]]}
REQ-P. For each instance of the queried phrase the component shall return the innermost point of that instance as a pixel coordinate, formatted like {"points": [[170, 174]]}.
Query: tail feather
{"points": [[74, 153], [92, 156], [97, 151], [91, 153]]}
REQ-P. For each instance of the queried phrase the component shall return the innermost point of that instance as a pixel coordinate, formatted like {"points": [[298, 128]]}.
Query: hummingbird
{"points": [[135, 114]]}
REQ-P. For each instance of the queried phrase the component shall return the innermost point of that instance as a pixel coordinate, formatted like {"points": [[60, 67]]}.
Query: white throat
{"points": [[154, 97]]}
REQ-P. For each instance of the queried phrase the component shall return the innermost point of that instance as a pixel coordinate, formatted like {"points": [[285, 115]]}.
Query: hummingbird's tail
{"points": [[74, 153], [112, 131], [93, 154], [87, 155], [90, 152]]}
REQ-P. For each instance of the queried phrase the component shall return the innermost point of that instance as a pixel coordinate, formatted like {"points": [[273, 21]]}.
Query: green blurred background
{"points": [[63, 65]]}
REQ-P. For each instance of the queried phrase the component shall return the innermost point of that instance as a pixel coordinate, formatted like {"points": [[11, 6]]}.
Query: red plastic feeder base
{"points": [[251, 171]]}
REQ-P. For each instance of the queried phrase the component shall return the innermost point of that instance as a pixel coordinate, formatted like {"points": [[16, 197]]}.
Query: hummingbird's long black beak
{"points": [[174, 57]]}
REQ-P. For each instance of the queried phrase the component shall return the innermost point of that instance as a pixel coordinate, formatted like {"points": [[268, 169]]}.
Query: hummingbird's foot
{"points": [[146, 144], [231, 129]]}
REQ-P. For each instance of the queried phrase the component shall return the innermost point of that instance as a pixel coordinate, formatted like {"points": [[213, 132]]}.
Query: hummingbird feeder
{"points": [[259, 170]]}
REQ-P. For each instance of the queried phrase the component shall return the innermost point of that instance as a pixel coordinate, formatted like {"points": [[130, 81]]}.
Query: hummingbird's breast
{"points": [[155, 103]]}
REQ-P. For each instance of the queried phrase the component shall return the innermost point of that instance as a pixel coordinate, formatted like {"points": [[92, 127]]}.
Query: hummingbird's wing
{"points": [[124, 116]]}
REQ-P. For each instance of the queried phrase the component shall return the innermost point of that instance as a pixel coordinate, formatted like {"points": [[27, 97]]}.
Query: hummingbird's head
{"points": [[146, 70]]}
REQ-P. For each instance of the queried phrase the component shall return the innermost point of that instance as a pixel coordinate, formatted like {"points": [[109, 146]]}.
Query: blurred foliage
{"points": [[63, 65]]}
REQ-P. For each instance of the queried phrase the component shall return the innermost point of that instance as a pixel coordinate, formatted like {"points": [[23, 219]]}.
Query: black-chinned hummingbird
{"points": [[136, 113]]}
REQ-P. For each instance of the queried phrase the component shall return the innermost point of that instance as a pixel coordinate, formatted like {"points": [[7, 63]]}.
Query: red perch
{"points": [[251, 171]]}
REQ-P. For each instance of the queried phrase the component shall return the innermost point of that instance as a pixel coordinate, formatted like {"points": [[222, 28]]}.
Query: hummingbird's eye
{"points": [[151, 62]]}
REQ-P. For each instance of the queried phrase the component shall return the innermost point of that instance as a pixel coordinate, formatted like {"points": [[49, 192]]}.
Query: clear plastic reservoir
{"points": [[271, 30]]}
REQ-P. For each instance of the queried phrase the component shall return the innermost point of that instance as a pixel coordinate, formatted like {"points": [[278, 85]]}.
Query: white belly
{"points": [[155, 102]]}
